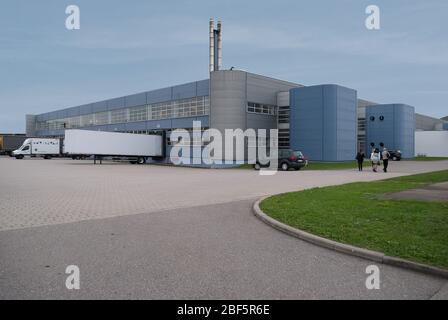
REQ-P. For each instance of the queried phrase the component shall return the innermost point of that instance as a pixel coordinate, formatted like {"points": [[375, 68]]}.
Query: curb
{"points": [[346, 248]]}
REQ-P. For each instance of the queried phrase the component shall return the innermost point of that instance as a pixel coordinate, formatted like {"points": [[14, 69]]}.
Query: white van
{"points": [[39, 147]]}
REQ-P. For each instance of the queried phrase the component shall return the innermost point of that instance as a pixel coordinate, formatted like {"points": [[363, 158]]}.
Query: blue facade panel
{"points": [[135, 126], [306, 125], [104, 127], [73, 112], [182, 122], [49, 116], [100, 106], [445, 126], [391, 125], [61, 114], [117, 127], [158, 124], [159, 95], [204, 121], [202, 88], [323, 122], [184, 91], [347, 122], [117, 103], [85, 109], [329, 112], [138, 99]]}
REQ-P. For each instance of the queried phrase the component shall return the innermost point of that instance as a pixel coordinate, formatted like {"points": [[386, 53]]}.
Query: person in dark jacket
{"points": [[360, 158], [385, 155]]}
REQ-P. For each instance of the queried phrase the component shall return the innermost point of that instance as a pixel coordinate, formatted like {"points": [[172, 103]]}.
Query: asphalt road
{"points": [[209, 251]]}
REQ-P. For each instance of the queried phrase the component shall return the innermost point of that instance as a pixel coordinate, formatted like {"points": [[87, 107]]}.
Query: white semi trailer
{"points": [[39, 147], [136, 148]]}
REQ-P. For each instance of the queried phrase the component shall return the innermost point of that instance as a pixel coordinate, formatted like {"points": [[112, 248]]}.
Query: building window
{"points": [[101, 118], [259, 108], [119, 116], [372, 118], [87, 120], [138, 113], [381, 118], [197, 106]]}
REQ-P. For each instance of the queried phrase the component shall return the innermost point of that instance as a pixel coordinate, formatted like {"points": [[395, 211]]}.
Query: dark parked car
{"points": [[287, 159], [395, 155]]}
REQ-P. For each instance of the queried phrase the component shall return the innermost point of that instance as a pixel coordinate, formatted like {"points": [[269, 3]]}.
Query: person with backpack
{"points": [[375, 158], [385, 155], [360, 158]]}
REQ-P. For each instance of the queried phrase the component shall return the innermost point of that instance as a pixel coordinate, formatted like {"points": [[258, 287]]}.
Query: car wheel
{"points": [[284, 166], [394, 158], [257, 166]]}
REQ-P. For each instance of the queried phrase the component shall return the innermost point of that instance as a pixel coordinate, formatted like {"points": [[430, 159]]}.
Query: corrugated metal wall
{"points": [[323, 122]]}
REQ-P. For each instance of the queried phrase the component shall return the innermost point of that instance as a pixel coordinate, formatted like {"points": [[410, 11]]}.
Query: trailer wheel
{"points": [[141, 160]]}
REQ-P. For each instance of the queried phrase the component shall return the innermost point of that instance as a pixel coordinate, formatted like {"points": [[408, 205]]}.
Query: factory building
{"points": [[325, 122]]}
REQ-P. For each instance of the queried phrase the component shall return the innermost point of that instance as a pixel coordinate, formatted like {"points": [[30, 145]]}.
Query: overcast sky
{"points": [[124, 47]]}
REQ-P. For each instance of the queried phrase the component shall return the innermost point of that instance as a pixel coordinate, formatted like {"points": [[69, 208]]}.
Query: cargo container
{"points": [[10, 142], [136, 148]]}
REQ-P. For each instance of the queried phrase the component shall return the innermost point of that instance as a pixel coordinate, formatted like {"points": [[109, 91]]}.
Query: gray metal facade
{"points": [[232, 90], [427, 123], [165, 95], [322, 121]]}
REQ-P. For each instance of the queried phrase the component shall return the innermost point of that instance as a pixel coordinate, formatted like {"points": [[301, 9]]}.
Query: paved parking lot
{"points": [[36, 192], [195, 236]]}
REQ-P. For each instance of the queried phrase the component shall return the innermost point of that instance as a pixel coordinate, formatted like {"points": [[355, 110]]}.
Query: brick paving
{"points": [[37, 192]]}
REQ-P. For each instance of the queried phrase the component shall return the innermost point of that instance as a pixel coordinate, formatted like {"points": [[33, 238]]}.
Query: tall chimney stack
{"points": [[215, 63], [212, 45], [219, 46]]}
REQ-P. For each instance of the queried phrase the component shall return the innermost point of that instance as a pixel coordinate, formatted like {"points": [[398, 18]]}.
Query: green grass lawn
{"points": [[334, 165], [354, 214], [322, 165], [429, 158]]}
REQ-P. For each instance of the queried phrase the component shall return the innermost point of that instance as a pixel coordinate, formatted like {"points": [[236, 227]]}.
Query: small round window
{"points": [[381, 144], [372, 118], [381, 118], [372, 144]]}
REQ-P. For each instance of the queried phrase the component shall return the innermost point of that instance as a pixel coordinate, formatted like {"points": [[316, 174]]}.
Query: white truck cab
{"points": [[38, 147]]}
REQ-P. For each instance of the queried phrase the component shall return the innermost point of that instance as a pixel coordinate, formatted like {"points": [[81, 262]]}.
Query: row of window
{"points": [[259, 108], [197, 106]]}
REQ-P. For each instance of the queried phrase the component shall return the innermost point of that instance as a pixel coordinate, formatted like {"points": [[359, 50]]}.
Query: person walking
{"points": [[360, 158], [375, 158], [385, 155]]}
